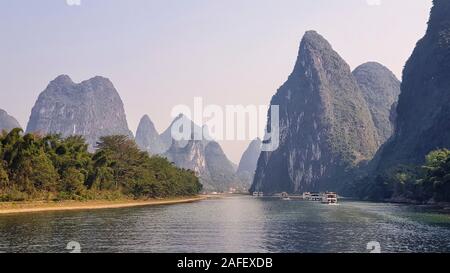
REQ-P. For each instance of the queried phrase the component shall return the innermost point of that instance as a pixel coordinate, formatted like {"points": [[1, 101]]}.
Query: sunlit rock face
{"points": [[205, 157], [92, 109], [380, 88], [7, 122], [326, 127], [208, 161], [423, 111]]}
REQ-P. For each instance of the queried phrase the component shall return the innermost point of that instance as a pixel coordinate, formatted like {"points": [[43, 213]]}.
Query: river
{"points": [[233, 224]]}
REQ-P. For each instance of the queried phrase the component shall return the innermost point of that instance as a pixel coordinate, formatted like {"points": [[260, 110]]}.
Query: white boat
{"points": [[329, 198], [258, 194], [312, 196]]}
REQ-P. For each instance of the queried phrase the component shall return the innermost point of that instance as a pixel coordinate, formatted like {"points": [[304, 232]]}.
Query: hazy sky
{"points": [[159, 53]]}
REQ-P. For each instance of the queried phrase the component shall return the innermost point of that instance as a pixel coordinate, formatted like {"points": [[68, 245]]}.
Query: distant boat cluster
{"points": [[326, 197], [330, 198]]}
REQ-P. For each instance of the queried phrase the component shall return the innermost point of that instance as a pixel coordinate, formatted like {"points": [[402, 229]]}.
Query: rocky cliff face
{"points": [[190, 156], [147, 137], [325, 124], [205, 157], [7, 122], [380, 89], [208, 161], [423, 112], [247, 164], [92, 109]]}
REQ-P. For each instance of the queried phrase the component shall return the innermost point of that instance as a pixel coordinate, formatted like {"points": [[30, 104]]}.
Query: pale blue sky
{"points": [[159, 53]]}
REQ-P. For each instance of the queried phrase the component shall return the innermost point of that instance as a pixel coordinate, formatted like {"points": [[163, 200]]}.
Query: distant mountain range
{"points": [[334, 122], [197, 153], [93, 109]]}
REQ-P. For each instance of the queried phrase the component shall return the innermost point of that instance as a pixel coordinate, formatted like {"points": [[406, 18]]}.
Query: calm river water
{"points": [[232, 224]]}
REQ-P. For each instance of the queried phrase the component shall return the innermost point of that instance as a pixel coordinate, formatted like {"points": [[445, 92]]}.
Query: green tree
{"points": [[124, 158], [42, 173], [102, 176], [437, 175], [4, 179], [72, 182]]}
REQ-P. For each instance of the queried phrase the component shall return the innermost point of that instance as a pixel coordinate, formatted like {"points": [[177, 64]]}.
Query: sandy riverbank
{"points": [[29, 207]]}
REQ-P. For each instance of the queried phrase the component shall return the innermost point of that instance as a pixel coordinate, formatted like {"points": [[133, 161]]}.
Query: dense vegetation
{"points": [[34, 167], [430, 182]]}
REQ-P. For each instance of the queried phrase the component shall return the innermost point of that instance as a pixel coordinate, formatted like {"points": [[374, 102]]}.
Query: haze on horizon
{"points": [[160, 53]]}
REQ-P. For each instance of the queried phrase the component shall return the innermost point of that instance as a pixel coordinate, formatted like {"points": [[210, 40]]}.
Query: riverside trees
{"points": [[424, 183], [34, 167]]}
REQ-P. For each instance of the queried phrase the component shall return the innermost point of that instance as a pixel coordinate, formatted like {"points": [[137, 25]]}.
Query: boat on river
{"points": [[312, 196], [329, 198], [258, 194]]}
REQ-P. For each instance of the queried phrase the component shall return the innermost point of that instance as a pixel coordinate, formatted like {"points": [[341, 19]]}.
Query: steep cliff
{"points": [[325, 125], [423, 111]]}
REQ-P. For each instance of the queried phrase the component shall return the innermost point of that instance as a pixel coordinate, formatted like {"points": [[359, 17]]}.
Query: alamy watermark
{"points": [[231, 122], [374, 247], [74, 247]]}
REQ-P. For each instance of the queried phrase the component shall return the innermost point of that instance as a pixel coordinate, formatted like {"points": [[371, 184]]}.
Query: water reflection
{"points": [[234, 224]]}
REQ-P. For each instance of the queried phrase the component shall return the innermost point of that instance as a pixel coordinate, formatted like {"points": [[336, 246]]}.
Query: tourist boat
{"points": [[329, 198], [258, 194], [312, 196]]}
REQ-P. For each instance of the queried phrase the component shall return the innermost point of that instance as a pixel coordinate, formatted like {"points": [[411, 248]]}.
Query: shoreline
{"points": [[9, 208]]}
